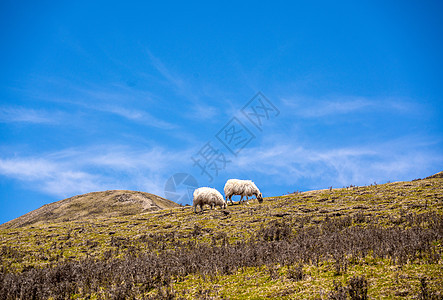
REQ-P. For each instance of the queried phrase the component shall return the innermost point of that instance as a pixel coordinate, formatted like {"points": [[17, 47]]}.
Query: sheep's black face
{"points": [[260, 198]]}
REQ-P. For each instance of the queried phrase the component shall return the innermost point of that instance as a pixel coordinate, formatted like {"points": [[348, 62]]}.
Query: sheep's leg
{"points": [[247, 200], [230, 198], [195, 209]]}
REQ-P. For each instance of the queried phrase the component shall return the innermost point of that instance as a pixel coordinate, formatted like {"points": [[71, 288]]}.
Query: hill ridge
{"points": [[110, 203], [381, 240]]}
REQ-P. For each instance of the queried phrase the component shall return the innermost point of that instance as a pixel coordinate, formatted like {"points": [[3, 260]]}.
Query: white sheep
{"points": [[210, 196], [243, 188]]}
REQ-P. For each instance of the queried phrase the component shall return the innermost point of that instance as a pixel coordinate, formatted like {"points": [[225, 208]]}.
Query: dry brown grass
{"points": [[115, 203], [375, 241]]}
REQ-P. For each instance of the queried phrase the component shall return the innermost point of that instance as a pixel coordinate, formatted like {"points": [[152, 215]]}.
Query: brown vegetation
{"points": [[352, 243], [114, 203]]}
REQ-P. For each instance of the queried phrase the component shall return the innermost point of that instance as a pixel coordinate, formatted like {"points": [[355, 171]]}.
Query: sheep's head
{"points": [[260, 198]]}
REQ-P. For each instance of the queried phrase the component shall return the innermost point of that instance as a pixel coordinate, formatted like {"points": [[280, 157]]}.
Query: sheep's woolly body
{"points": [[210, 196], [244, 188]]}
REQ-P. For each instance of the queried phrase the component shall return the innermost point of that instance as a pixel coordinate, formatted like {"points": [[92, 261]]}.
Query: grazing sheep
{"points": [[210, 196], [243, 188]]}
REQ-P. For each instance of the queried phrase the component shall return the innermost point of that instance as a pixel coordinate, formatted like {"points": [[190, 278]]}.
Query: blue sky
{"points": [[112, 95]]}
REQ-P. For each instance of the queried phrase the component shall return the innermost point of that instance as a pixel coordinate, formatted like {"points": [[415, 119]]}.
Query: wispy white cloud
{"points": [[340, 105], [54, 178], [115, 99], [136, 115], [165, 72], [362, 164], [28, 169], [80, 170], [124, 158], [76, 171], [28, 115], [203, 112], [198, 96], [336, 107]]}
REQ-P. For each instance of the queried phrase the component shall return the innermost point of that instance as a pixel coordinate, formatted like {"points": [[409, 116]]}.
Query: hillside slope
{"points": [[113, 203], [383, 241]]}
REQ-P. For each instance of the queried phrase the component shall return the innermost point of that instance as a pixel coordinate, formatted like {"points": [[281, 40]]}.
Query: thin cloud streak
{"points": [[28, 115], [161, 68], [340, 166], [51, 177], [112, 100], [135, 115], [80, 170], [75, 171], [315, 108], [203, 112], [198, 96]]}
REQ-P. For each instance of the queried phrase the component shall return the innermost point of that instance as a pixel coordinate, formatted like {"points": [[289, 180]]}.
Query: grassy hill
{"points": [[378, 241], [94, 205]]}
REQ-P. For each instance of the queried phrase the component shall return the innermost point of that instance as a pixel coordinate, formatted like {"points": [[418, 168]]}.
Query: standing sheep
{"points": [[210, 196], [243, 188]]}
